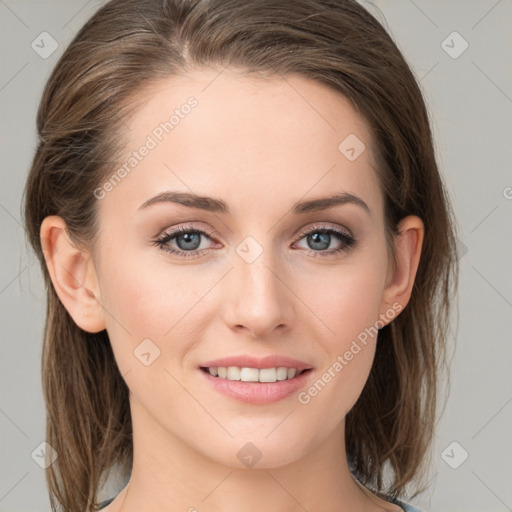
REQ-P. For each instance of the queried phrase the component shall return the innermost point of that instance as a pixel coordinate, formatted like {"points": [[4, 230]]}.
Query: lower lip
{"points": [[258, 392]]}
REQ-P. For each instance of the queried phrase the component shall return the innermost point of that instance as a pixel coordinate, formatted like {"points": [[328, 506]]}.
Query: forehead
{"points": [[242, 137]]}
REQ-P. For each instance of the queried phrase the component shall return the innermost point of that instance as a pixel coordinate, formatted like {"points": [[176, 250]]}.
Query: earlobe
{"points": [[73, 275], [401, 277]]}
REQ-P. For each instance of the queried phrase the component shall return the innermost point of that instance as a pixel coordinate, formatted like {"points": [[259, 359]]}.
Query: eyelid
{"points": [[325, 225], [185, 228]]}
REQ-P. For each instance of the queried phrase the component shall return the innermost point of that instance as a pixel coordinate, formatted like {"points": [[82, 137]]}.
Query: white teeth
{"points": [[281, 373], [233, 373], [249, 374], [267, 375], [254, 374]]}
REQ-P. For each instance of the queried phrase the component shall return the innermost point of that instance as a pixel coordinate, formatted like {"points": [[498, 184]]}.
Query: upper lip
{"points": [[247, 361]]}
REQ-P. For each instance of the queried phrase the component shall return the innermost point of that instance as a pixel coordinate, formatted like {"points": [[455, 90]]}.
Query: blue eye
{"points": [[186, 241], [319, 239]]}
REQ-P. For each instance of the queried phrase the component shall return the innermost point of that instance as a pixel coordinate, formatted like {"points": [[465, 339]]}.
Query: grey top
{"points": [[103, 504], [405, 506]]}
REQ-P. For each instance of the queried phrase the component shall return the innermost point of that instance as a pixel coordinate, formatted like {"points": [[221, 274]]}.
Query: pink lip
{"points": [[245, 361], [257, 392]]}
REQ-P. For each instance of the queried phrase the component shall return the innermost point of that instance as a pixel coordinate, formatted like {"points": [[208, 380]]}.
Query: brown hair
{"points": [[126, 46]]}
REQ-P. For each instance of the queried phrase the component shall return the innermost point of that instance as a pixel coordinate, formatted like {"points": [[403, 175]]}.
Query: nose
{"points": [[259, 300]]}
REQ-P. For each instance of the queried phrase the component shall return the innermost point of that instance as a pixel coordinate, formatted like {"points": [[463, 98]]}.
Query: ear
{"points": [[400, 277], [73, 275]]}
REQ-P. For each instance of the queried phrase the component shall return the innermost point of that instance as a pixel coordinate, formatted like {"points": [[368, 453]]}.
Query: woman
{"points": [[249, 256]]}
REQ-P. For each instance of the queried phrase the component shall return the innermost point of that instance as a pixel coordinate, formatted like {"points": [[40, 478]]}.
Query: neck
{"points": [[169, 475]]}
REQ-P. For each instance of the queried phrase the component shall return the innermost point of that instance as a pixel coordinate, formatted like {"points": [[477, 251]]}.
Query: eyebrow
{"points": [[211, 204]]}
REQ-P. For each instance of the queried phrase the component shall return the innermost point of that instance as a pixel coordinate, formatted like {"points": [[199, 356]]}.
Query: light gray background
{"points": [[470, 100]]}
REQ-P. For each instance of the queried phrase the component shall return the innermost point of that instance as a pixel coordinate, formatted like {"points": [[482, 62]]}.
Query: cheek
{"points": [[146, 298], [347, 299], [348, 303]]}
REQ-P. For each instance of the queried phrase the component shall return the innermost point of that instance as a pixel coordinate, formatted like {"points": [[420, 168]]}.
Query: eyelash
{"points": [[348, 242]]}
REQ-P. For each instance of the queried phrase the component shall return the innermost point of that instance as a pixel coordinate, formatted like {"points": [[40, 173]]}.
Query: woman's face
{"points": [[256, 273]]}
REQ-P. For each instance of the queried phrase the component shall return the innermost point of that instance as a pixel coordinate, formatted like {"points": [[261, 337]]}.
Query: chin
{"points": [[257, 452]]}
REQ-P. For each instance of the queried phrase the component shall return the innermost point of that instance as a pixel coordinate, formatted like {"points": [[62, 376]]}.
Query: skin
{"points": [[259, 145]]}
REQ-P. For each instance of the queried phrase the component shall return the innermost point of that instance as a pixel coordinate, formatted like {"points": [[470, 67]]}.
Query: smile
{"points": [[245, 374], [256, 380]]}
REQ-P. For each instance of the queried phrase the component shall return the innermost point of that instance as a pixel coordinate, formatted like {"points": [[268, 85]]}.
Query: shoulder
{"points": [[103, 504], [405, 506]]}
